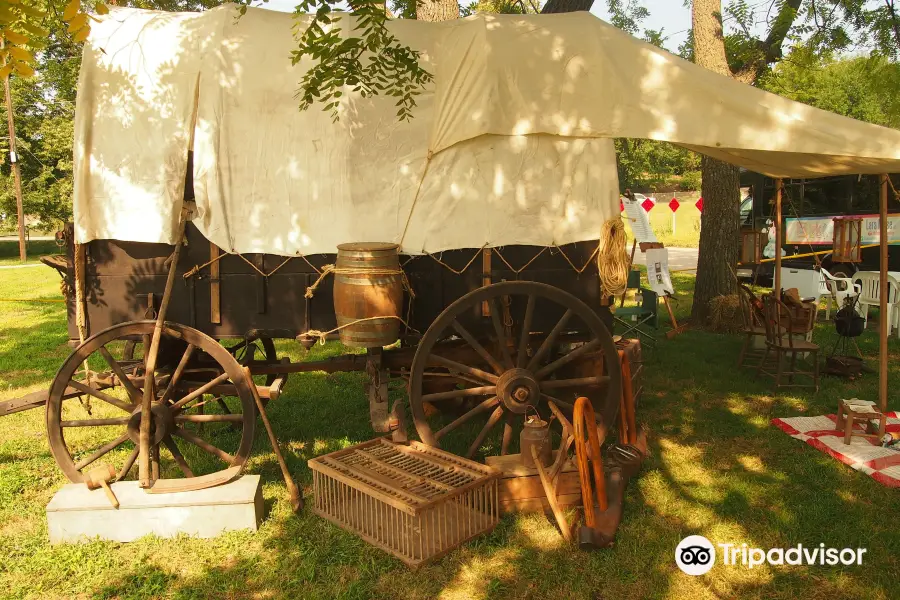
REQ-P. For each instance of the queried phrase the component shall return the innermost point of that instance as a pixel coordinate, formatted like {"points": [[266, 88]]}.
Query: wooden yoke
{"points": [[144, 474]]}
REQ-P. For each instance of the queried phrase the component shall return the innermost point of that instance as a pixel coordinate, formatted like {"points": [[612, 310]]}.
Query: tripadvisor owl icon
{"points": [[695, 555]]}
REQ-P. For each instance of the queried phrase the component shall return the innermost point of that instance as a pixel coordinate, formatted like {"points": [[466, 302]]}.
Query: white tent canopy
{"points": [[510, 144]]}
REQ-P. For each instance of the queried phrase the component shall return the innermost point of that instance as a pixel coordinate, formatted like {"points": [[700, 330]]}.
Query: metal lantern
{"points": [[752, 244]]}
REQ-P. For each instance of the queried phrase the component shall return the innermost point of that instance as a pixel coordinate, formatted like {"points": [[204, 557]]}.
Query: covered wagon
{"points": [[471, 250]]}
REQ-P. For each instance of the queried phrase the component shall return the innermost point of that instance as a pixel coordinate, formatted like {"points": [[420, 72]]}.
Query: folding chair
{"points": [[643, 314]]}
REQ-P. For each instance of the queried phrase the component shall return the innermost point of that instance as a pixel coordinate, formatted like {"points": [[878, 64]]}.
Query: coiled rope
{"points": [[612, 259]]}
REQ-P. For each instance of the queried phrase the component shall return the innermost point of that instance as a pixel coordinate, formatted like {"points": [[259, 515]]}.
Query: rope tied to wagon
{"points": [[322, 335], [196, 268], [329, 269], [80, 320]]}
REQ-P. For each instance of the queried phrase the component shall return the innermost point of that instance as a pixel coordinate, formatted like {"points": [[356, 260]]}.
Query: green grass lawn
{"points": [[9, 251], [718, 469]]}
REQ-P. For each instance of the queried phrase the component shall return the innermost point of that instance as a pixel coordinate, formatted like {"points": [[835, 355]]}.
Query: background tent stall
{"points": [[508, 158]]}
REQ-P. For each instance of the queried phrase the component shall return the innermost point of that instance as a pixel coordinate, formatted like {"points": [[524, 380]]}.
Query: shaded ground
{"points": [[719, 469]]}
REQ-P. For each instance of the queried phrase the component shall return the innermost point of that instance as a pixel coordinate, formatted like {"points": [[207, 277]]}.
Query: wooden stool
{"points": [[851, 411]]}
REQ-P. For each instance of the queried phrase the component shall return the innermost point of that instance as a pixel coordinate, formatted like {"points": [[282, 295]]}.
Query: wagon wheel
{"points": [[506, 370], [184, 441]]}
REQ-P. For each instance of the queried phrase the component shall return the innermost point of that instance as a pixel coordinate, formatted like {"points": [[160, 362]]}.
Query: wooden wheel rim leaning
{"points": [[448, 317], [202, 343]]}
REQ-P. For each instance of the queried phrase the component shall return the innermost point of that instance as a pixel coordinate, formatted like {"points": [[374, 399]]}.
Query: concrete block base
{"points": [[78, 514]]}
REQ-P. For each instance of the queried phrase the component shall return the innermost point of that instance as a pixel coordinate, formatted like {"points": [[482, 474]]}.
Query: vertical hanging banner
{"points": [[636, 213]]}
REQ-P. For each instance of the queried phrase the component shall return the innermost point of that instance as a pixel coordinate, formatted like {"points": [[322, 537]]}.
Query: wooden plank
{"points": [[485, 279], [538, 504], [32, 400], [530, 487], [776, 287], [215, 300], [884, 327], [39, 398], [510, 465]]}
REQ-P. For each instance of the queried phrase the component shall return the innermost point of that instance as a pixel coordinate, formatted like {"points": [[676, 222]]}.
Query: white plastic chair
{"points": [[869, 283], [837, 290], [806, 281]]}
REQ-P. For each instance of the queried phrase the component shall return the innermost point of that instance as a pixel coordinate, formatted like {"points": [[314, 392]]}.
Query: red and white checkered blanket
{"points": [[863, 454]]}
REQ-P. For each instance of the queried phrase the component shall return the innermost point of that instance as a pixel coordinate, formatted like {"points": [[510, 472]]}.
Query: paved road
{"points": [[680, 259]]}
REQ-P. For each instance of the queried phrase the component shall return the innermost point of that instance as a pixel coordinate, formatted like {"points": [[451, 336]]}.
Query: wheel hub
{"points": [[161, 424], [517, 389]]}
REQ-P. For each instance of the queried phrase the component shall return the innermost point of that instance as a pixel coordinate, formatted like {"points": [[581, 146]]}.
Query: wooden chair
{"points": [[752, 316], [780, 340]]}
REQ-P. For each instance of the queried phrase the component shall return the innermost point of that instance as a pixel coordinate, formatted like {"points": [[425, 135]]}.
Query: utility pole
{"points": [[14, 162]]}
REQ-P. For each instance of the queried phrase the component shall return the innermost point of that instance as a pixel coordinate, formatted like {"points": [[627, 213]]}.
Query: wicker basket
{"points": [[416, 502]]}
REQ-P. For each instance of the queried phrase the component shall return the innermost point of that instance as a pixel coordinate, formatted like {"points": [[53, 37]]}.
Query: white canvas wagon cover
{"points": [[510, 144]]}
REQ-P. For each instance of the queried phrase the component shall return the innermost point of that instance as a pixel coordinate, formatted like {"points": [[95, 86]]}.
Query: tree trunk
{"points": [[437, 10], [720, 236], [564, 6]]}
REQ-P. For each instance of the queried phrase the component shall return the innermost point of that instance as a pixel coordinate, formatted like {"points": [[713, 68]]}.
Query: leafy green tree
{"points": [[735, 49], [44, 112], [861, 87]]}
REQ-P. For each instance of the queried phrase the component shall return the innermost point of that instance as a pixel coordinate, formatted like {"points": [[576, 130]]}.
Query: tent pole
{"points": [[883, 325], [776, 288]]}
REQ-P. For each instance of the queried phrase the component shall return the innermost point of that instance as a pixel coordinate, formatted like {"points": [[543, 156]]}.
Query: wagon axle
{"points": [[162, 422], [516, 388]]}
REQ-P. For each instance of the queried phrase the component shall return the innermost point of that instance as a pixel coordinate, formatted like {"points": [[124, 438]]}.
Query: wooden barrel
{"points": [[368, 283]]}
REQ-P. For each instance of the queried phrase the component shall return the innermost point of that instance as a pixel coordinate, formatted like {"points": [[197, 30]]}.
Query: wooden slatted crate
{"points": [[521, 489], [416, 502]]}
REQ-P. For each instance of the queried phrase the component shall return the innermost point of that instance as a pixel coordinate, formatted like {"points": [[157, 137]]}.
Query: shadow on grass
{"points": [[718, 469], [28, 354]]}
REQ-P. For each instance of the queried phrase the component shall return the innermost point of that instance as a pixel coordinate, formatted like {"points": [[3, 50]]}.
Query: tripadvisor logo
{"points": [[696, 555]]}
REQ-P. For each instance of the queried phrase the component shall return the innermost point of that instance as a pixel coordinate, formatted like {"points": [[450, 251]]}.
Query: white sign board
{"points": [[819, 231], [639, 221], [658, 271]]}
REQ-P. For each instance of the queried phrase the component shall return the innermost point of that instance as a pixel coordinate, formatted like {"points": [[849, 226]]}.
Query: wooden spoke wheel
{"points": [[202, 420], [520, 355]]}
